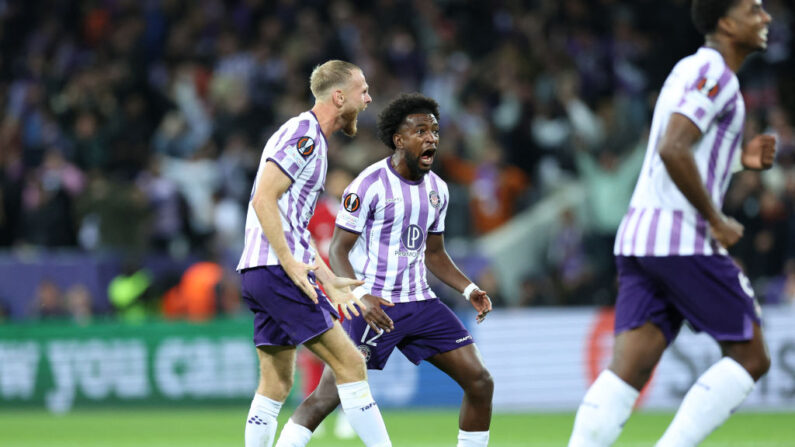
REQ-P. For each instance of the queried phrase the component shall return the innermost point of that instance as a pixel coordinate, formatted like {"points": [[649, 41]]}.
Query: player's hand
{"points": [[726, 231], [374, 315], [299, 273], [759, 153], [481, 302], [339, 292]]}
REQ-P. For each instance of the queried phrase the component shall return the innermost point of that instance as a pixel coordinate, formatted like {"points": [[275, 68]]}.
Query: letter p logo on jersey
{"points": [[412, 237]]}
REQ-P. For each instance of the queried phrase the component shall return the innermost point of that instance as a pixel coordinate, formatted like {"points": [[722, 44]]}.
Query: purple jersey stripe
{"points": [[724, 79], [713, 154], [262, 256], [676, 232], [403, 261], [637, 226], [701, 233], [701, 72], [651, 241], [418, 271], [384, 240]]}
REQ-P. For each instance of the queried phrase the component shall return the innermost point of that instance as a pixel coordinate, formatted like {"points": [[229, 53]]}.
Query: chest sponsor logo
{"points": [[412, 237]]}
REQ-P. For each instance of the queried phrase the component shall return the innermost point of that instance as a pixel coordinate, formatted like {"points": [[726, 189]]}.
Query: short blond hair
{"points": [[334, 73]]}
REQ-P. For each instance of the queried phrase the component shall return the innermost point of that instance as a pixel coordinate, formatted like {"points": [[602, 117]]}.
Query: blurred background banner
{"points": [[541, 360], [61, 366]]}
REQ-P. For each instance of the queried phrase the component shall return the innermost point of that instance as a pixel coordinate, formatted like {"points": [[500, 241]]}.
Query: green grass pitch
{"points": [[211, 427]]}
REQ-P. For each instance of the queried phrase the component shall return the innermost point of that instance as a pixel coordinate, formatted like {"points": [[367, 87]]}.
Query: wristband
{"points": [[359, 292], [468, 291]]}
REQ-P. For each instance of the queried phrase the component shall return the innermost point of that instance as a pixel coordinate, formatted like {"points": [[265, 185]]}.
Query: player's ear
{"points": [[397, 140], [338, 98], [726, 25]]}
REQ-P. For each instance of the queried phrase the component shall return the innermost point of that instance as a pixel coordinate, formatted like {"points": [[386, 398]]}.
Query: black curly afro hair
{"points": [[706, 13], [390, 119]]}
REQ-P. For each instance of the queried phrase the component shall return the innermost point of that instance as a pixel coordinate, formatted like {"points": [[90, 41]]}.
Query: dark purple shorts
{"points": [[422, 329], [710, 292], [283, 315]]}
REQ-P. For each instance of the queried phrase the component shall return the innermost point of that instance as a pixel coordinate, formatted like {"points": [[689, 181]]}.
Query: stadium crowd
{"points": [[136, 127]]}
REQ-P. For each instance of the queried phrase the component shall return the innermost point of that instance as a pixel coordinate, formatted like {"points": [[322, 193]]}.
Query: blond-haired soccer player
{"points": [[279, 267]]}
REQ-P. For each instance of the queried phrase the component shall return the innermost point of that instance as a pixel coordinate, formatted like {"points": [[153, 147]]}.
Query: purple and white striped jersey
{"points": [[660, 220], [393, 217], [299, 149]]}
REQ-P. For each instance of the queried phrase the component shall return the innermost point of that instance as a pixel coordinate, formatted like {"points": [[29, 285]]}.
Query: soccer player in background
{"points": [[390, 228], [671, 246], [279, 268]]}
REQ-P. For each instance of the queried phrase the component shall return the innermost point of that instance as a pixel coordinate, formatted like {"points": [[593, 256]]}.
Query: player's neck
{"points": [[733, 56], [328, 117], [398, 163]]}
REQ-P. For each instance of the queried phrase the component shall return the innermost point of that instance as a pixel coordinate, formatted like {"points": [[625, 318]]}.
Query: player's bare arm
{"points": [[341, 244], [676, 153], [439, 263], [759, 153], [273, 183]]}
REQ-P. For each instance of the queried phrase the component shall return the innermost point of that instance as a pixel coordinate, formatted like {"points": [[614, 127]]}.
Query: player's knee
{"points": [[482, 385], [757, 365], [351, 369]]}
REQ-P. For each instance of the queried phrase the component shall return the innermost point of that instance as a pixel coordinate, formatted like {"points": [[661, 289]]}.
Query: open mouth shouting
{"points": [[426, 157]]}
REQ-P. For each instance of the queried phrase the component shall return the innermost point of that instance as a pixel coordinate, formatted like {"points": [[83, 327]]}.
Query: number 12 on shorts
{"points": [[372, 340]]}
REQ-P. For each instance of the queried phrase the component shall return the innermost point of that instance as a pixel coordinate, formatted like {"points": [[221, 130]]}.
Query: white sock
{"points": [[293, 435], [261, 422], [363, 414], [603, 412], [708, 403], [473, 438]]}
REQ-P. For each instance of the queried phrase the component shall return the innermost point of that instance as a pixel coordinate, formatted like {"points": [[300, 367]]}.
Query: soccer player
{"points": [[671, 246], [390, 228], [279, 268]]}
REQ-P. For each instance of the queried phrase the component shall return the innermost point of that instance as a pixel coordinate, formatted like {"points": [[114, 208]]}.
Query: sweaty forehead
{"points": [[420, 119]]}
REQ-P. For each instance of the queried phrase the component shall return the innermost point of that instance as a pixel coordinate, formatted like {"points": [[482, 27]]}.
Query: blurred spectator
{"points": [[48, 303], [205, 290], [495, 187], [78, 304], [608, 179], [568, 262], [537, 290]]}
